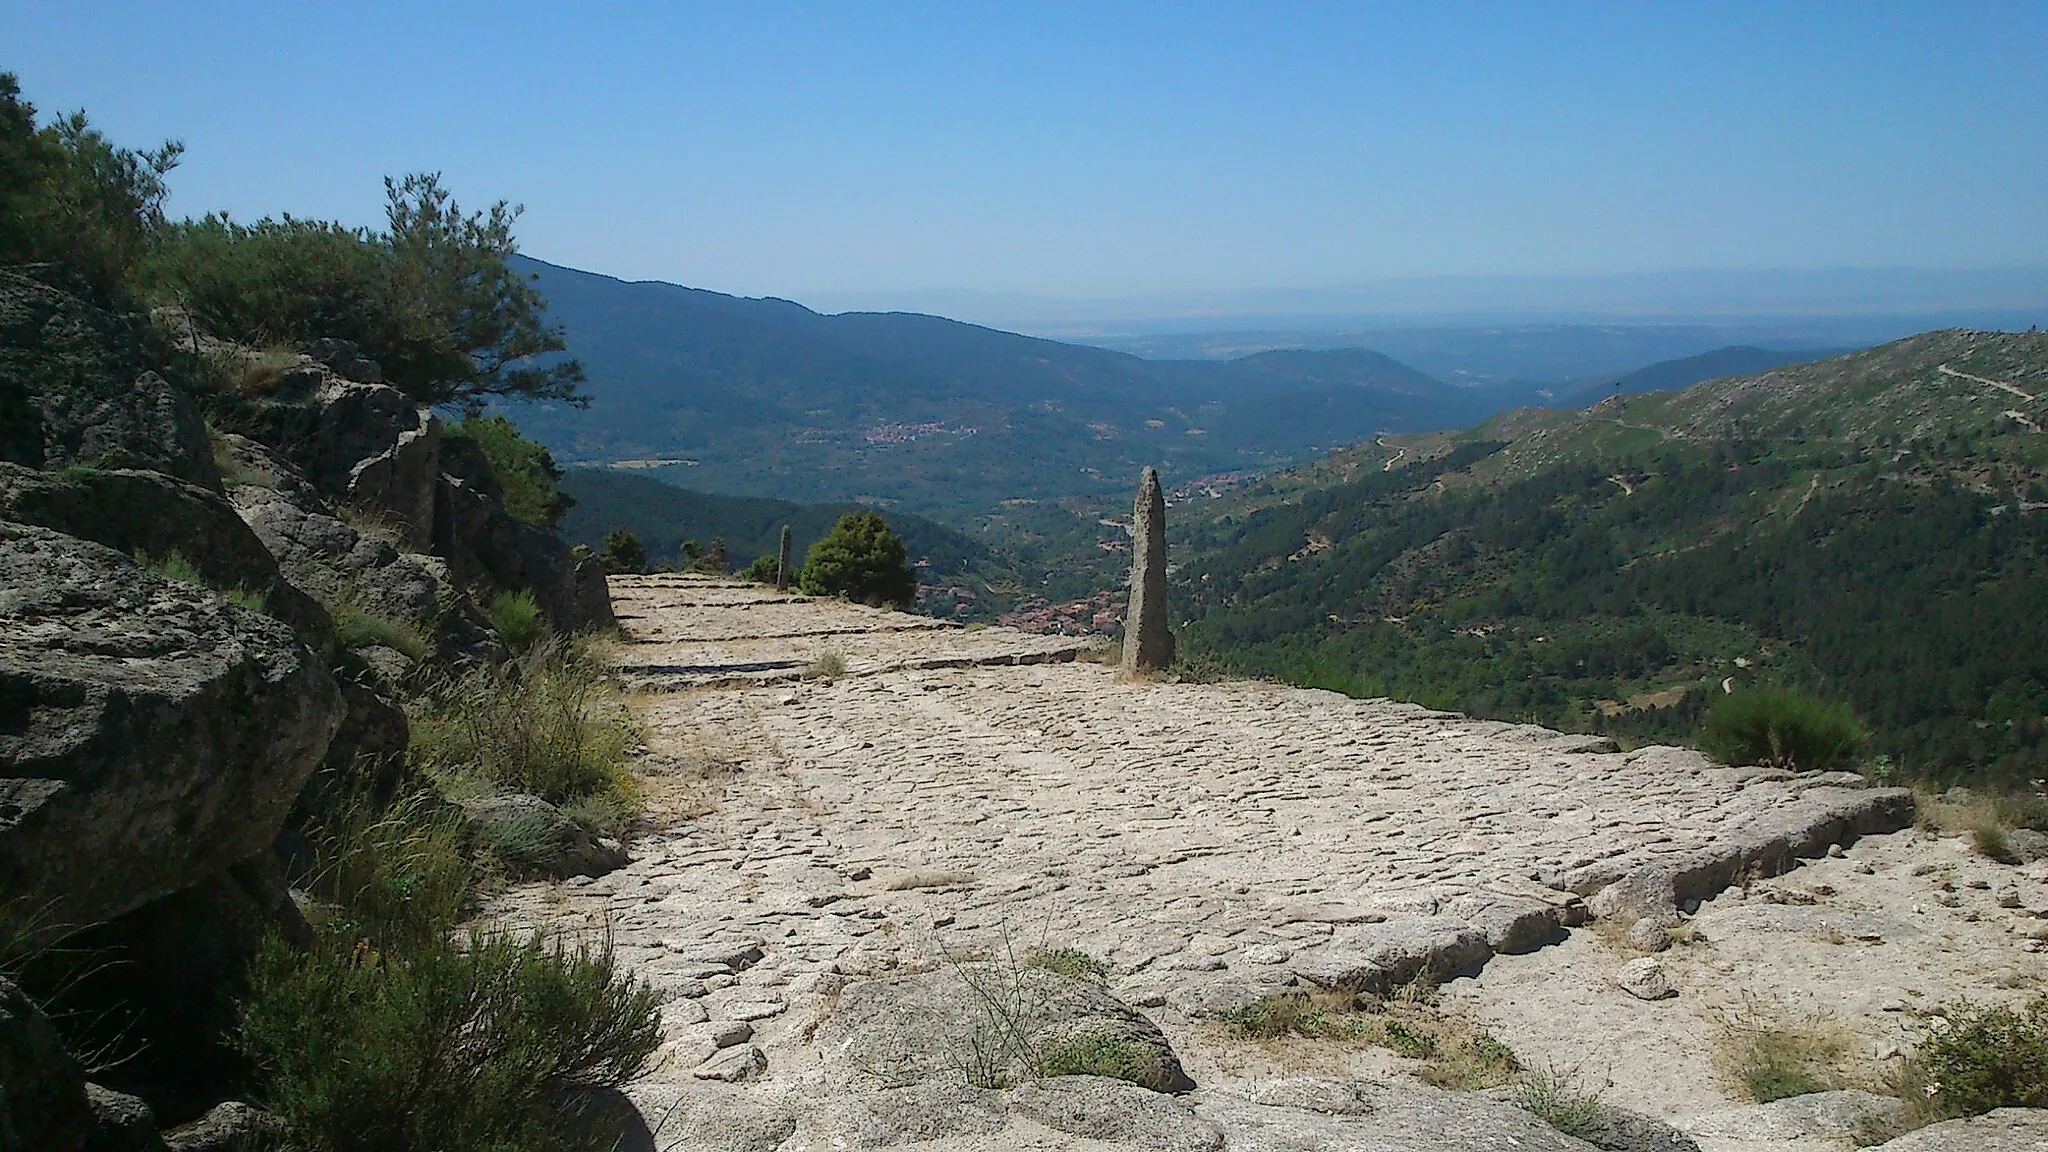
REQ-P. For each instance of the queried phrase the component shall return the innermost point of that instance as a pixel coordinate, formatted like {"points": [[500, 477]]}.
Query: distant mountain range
{"points": [[764, 397]]}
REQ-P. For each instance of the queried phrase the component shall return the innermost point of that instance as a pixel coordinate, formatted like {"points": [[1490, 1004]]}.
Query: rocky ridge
{"points": [[173, 684]]}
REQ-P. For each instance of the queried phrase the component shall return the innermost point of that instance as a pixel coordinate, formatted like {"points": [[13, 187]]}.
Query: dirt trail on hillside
{"points": [[962, 791]]}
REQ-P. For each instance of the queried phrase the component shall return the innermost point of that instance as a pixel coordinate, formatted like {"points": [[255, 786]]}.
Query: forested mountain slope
{"points": [[1874, 527], [765, 397], [664, 516]]}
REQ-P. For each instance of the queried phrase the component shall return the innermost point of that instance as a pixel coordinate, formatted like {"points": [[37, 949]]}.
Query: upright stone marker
{"points": [[782, 562], [1148, 646]]}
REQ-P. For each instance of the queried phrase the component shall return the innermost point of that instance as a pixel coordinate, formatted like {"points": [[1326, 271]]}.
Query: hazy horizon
{"points": [[1092, 153]]}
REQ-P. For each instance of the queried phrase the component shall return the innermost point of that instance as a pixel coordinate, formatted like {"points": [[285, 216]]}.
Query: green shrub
{"points": [[829, 665], [1781, 728], [548, 722], [357, 627], [762, 571], [526, 473], [622, 552], [432, 299], [862, 560], [443, 1048], [1070, 962], [1984, 1058], [69, 196], [517, 618]]}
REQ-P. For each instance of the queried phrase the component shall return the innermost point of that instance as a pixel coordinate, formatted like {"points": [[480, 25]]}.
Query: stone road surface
{"points": [[961, 791]]}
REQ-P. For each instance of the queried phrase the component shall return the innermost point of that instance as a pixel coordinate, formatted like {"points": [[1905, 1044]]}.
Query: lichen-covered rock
{"points": [[906, 1030], [351, 570], [1115, 1112], [2003, 1130], [151, 734], [75, 387], [533, 835], [1374, 1116], [230, 1126], [373, 446], [1378, 957], [121, 1123], [1844, 1116], [485, 545], [151, 514]]}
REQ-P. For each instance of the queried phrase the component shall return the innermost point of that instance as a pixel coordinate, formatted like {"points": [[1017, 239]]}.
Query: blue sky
{"points": [[1096, 149]]}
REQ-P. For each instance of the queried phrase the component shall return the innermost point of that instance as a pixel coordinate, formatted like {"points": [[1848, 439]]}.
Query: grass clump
{"points": [[1781, 728], [1090, 1054], [245, 371], [172, 565], [517, 618], [1984, 1058], [1469, 1059], [1556, 1097], [829, 665], [357, 627], [1772, 1059], [1291, 1014], [1069, 962], [1455, 1053], [548, 723]]}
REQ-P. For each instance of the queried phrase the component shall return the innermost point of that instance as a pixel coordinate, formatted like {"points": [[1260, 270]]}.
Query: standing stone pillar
{"points": [[1148, 646], [782, 562]]}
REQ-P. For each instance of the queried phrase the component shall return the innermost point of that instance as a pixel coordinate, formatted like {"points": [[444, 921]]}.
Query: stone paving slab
{"points": [[692, 631], [1211, 842]]}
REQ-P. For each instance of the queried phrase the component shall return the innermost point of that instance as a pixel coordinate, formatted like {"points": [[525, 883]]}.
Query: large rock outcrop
{"points": [[150, 514], [76, 387], [151, 734]]}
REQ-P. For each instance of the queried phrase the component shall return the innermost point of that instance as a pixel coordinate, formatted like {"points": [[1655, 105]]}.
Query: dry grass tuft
{"points": [[1771, 1057]]}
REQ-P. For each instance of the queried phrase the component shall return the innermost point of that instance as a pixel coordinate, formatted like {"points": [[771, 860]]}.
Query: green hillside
{"points": [[1873, 527], [920, 414]]}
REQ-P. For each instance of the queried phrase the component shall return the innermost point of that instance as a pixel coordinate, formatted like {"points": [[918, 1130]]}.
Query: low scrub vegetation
{"points": [[1986, 816], [549, 723], [1976, 1060], [395, 1032], [1070, 962], [1781, 728]]}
